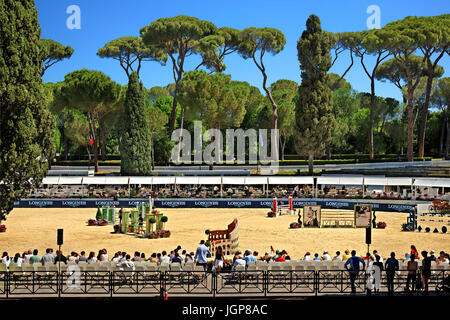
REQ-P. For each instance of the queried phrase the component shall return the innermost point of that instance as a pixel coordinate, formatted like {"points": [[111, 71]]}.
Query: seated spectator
{"points": [[165, 258], [35, 258], [316, 257], [248, 257], [153, 258], [5, 258], [307, 256], [176, 258], [237, 260], [47, 257], [60, 257], [346, 255], [137, 257], [82, 257], [92, 258], [326, 256], [338, 256], [17, 260], [73, 257], [127, 263]]}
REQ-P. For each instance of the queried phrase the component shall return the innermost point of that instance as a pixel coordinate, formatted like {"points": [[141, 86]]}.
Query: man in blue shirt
{"points": [[391, 265], [201, 255], [248, 257], [354, 261]]}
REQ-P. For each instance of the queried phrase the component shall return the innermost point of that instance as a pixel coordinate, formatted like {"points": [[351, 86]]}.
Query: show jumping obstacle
{"points": [[228, 239], [438, 209], [278, 210]]}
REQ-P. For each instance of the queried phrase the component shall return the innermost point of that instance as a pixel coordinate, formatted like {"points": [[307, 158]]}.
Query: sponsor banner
{"points": [[209, 203]]}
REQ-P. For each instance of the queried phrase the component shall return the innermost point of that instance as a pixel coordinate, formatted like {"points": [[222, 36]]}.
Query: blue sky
{"points": [[102, 21]]}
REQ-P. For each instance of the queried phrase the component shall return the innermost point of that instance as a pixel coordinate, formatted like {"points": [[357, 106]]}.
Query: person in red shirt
{"points": [[414, 252]]}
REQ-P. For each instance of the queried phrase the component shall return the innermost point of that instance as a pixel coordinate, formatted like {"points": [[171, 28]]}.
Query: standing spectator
{"points": [[375, 253], [414, 251], [354, 262], [426, 270], [391, 266], [412, 272], [35, 258], [377, 275], [338, 256], [201, 254], [432, 257]]}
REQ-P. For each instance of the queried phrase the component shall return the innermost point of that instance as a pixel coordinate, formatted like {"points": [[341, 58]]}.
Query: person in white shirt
{"points": [[5, 259], [165, 258], [17, 260], [338, 256], [28, 255], [326, 256], [375, 253], [127, 264], [307, 256]]}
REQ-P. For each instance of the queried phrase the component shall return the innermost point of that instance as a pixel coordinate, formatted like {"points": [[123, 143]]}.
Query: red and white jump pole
{"points": [[275, 202]]}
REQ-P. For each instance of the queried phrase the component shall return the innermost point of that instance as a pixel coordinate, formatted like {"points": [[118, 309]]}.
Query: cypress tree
{"points": [[313, 111], [26, 126], [135, 148]]}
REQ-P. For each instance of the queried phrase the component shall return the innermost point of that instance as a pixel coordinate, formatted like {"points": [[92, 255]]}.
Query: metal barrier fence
{"points": [[179, 283]]}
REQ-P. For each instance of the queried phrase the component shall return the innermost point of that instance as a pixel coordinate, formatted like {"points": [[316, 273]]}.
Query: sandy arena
{"points": [[36, 228]]}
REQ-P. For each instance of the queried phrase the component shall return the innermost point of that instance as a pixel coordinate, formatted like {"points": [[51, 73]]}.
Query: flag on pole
{"points": [[271, 248]]}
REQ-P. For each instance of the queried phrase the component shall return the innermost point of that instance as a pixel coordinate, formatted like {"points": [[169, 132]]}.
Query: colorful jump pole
{"points": [[125, 220], [275, 206]]}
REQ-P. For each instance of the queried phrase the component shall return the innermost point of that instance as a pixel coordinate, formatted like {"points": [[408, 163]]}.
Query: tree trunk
{"points": [[410, 150], [423, 123], [283, 146], [311, 164], [447, 144], [329, 151], [95, 139], [372, 107], [103, 137], [443, 125], [153, 155]]}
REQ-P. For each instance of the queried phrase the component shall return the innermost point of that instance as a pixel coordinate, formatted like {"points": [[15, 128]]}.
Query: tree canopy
{"points": [[52, 52]]}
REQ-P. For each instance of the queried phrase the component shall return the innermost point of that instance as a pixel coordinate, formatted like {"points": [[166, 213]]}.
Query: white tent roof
{"points": [[340, 180], [233, 180], [186, 180], [117, 180], [50, 180], [429, 182], [94, 180], [399, 181], [375, 181], [255, 180], [70, 180], [164, 180], [327, 180], [141, 180], [210, 180], [302, 180]]}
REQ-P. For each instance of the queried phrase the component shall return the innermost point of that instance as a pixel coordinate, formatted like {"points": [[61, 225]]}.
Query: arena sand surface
{"points": [[36, 228]]}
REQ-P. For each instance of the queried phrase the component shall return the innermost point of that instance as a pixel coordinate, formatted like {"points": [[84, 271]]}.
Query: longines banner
{"points": [[209, 203]]}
